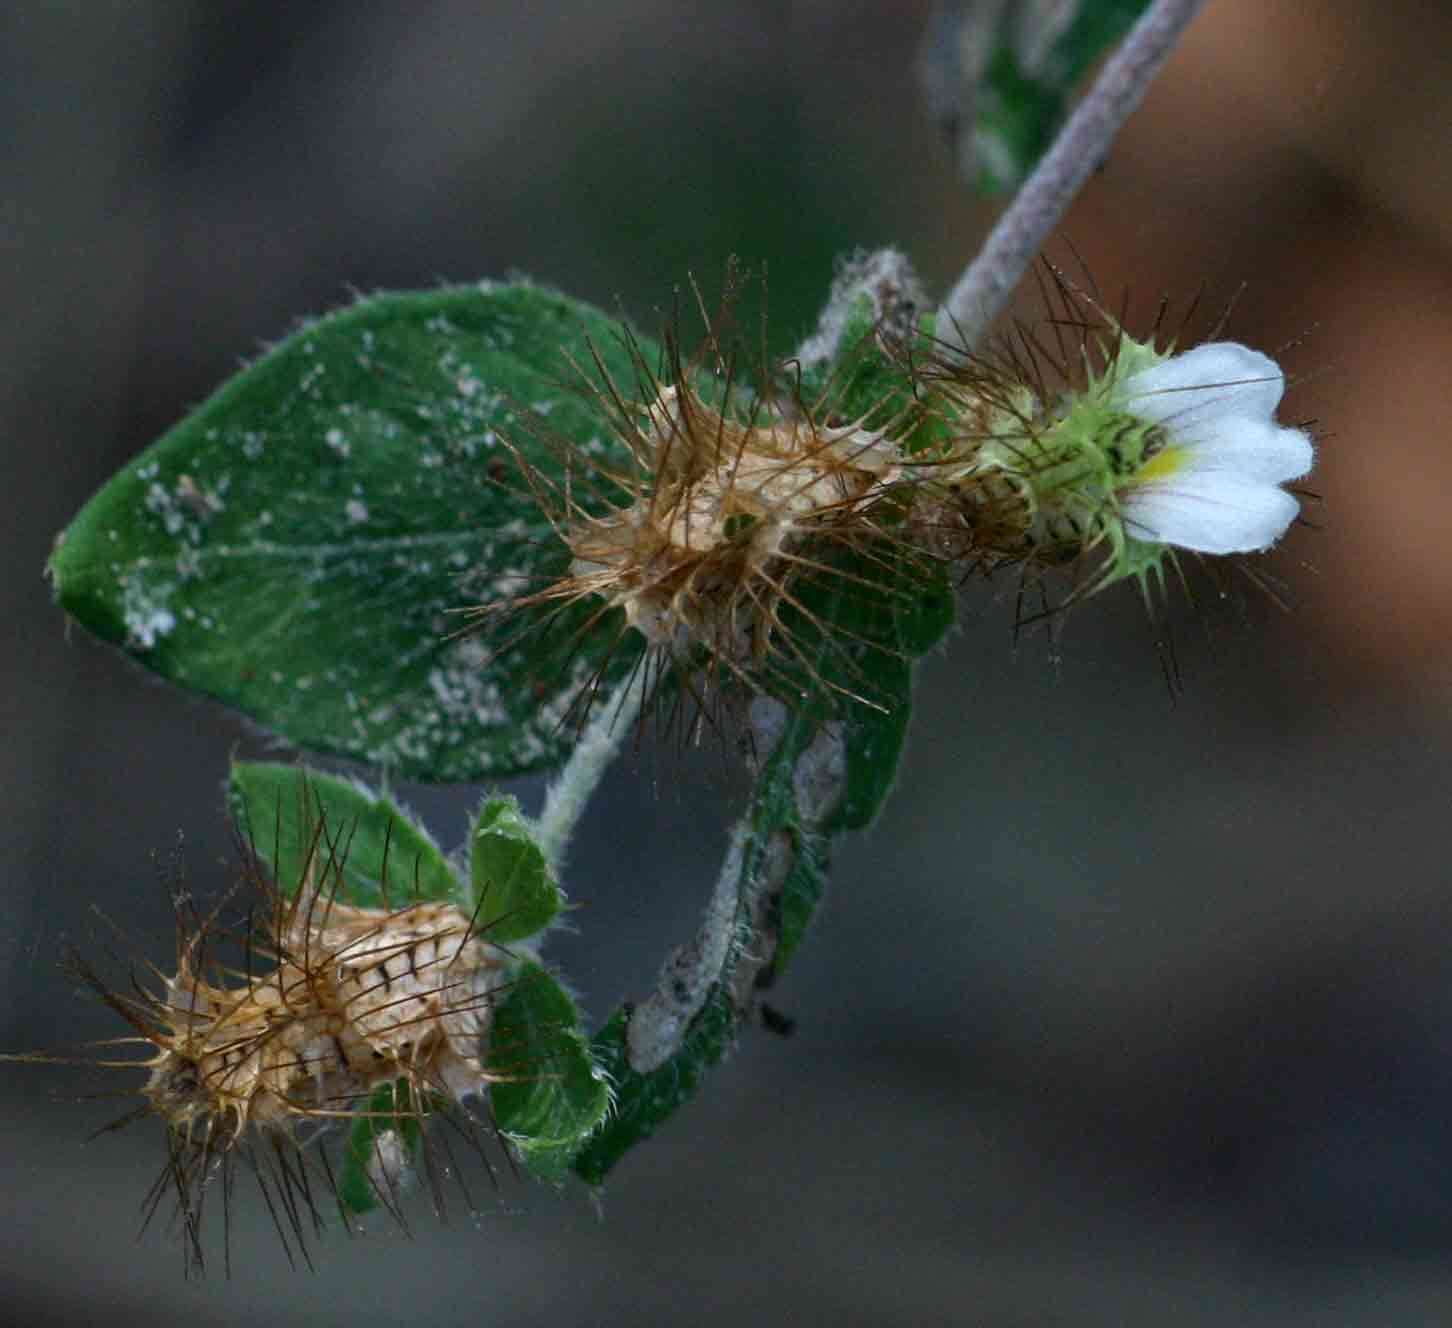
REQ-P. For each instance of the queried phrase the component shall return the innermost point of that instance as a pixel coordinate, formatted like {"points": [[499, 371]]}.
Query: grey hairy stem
{"points": [[596, 747], [737, 922], [989, 280]]}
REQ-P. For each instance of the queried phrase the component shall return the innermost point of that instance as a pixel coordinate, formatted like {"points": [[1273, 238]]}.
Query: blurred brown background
{"points": [[1128, 1011]]}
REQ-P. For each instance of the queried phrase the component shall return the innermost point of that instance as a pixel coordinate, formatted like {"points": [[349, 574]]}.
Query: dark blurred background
{"points": [[1130, 1010]]}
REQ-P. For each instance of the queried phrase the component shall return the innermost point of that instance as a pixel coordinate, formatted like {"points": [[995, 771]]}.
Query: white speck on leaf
{"points": [[146, 615], [357, 512]]}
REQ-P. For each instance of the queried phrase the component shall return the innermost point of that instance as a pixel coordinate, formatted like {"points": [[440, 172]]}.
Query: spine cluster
{"points": [[359, 998]]}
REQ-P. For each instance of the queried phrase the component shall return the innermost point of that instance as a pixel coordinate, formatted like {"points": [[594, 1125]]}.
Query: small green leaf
{"points": [[301, 546], [555, 1095], [388, 1110], [298, 819], [644, 1101], [515, 894], [1000, 78]]}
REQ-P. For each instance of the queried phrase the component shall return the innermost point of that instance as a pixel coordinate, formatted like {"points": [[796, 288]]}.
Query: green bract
{"points": [[513, 889], [546, 1107]]}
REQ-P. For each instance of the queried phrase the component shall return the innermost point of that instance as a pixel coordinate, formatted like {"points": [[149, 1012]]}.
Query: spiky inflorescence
{"points": [[337, 1014], [1100, 453], [730, 507], [1058, 448], [1021, 473], [707, 552]]}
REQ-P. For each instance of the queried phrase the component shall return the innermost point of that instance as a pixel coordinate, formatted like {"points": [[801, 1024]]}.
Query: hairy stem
{"points": [[567, 796], [989, 280], [735, 940]]}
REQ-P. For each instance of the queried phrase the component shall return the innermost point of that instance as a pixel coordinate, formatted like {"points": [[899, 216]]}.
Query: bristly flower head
{"points": [[707, 551], [340, 1015], [736, 508], [1148, 453]]}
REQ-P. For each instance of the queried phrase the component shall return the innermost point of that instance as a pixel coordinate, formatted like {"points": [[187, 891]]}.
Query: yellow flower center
{"points": [[1164, 463]]}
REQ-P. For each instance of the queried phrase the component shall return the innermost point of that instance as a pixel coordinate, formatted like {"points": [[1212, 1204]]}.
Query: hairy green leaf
{"points": [[301, 546], [515, 893], [999, 76], [862, 629], [299, 820], [645, 1101], [553, 1095]]}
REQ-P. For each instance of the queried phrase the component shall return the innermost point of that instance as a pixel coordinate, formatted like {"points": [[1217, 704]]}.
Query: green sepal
{"points": [[302, 546], [389, 1108], [514, 892], [298, 820], [553, 1095]]}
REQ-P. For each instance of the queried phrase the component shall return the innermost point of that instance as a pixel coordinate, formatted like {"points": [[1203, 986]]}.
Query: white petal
{"points": [[1208, 383], [1210, 512], [1254, 449]]}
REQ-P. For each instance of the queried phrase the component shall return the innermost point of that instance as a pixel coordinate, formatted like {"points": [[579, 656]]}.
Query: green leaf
{"points": [[388, 1110], [301, 545], [645, 1101], [801, 892], [922, 609], [515, 894], [296, 818], [556, 1095], [1012, 70]]}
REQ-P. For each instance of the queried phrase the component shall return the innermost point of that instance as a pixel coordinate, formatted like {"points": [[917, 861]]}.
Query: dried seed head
{"points": [[360, 997], [733, 516], [332, 1010], [706, 554]]}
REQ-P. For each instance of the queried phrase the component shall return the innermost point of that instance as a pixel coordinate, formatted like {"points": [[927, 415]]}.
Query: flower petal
{"points": [[1254, 449], [1209, 511], [1204, 386]]}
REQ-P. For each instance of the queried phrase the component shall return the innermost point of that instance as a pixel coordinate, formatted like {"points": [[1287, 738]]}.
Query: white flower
{"points": [[1213, 485]]}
